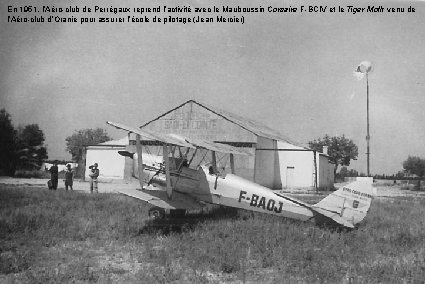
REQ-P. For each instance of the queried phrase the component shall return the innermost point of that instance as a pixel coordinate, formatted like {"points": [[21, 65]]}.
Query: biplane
{"points": [[178, 184]]}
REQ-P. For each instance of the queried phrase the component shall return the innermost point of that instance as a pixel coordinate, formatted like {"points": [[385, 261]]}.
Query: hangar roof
{"points": [[250, 125], [120, 142]]}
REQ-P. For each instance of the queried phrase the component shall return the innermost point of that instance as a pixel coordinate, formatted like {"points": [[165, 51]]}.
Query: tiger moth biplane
{"points": [[183, 185]]}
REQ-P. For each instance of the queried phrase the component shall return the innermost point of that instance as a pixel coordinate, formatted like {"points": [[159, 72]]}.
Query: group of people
{"points": [[69, 177]]}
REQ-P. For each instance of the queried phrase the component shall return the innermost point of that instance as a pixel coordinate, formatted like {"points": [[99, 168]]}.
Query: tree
{"points": [[22, 148], [84, 137], [341, 150], [415, 165], [31, 147], [400, 175], [344, 172], [7, 143], [353, 173]]}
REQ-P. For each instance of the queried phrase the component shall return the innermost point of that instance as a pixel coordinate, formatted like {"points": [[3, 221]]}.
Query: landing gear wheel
{"points": [[156, 213]]}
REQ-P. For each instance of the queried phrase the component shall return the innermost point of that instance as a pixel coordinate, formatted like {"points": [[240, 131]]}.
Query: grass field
{"points": [[74, 237]]}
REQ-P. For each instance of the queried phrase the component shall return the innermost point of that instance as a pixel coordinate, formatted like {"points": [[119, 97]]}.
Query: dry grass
{"points": [[73, 237]]}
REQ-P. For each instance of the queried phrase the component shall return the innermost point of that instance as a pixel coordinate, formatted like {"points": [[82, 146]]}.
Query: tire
{"points": [[156, 213]]}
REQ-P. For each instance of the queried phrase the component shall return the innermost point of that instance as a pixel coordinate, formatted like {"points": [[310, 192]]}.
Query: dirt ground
{"points": [[383, 191], [78, 185]]}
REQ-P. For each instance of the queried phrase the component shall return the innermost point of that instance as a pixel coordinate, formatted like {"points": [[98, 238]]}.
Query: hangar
{"points": [[277, 162]]}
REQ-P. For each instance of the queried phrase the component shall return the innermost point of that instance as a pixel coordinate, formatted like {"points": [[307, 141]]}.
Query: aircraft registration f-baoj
{"points": [[183, 184]]}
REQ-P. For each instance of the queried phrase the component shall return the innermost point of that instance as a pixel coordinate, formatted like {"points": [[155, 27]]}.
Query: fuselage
{"points": [[234, 191]]}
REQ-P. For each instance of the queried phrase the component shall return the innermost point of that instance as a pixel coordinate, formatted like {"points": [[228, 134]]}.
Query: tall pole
{"points": [[368, 132], [362, 69], [316, 172]]}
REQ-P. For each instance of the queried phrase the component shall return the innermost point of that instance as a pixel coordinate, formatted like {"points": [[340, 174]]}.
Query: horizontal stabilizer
{"points": [[159, 198], [126, 154], [348, 205]]}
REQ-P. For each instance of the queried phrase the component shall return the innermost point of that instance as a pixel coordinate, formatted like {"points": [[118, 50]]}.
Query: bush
{"points": [[31, 174], [36, 174]]}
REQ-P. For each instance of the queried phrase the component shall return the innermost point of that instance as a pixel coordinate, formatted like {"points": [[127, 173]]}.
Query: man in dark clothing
{"points": [[54, 175], [69, 177]]}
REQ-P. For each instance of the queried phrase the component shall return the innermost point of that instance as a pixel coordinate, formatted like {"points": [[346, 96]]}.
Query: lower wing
{"points": [[159, 198]]}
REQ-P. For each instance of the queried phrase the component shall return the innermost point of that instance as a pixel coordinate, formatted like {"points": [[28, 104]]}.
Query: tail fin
{"points": [[348, 205]]}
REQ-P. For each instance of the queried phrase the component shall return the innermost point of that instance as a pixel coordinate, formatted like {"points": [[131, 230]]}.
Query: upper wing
{"points": [[218, 147], [179, 140], [144, 134], [166, 138], [159, 198]]}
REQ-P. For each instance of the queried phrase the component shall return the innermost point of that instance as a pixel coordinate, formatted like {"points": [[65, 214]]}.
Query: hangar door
{"points": [[290, 177], [110, 163]]}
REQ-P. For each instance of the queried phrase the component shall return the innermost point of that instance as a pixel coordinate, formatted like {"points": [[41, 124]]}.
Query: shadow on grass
{"points": [[328, 224], [180, 223]]}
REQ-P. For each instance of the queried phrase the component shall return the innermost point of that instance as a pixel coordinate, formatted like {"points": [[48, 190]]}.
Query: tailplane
{"points": [[348, 205]]}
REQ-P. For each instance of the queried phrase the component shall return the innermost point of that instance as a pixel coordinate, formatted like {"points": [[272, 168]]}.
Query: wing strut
{"points": [[231, 159], [193, 156], [169, 189], [214, 164], [140, 164]]}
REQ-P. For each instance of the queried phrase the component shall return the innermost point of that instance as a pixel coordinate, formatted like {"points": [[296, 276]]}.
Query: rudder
{"points": [[349, 204]]}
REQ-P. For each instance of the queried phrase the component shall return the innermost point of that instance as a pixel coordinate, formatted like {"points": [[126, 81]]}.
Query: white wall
{"points": [[110, 163], [61, 167], [296, 167]]}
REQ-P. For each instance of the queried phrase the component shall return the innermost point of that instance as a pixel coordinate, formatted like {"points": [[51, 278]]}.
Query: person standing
{"points": [[54, 175], [94, 178], [69, 177]]}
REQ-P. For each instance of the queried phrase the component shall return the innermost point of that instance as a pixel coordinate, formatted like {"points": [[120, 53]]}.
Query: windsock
{"points": [[362, 69]]}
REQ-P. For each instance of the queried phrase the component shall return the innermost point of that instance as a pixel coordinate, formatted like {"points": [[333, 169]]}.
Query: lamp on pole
{"points": [[362, 71]]}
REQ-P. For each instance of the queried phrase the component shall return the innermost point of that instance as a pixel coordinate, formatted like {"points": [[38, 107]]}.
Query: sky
{"points": [[290, 71]]}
